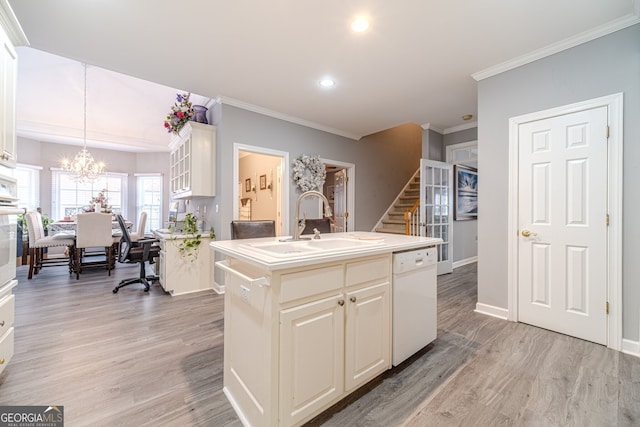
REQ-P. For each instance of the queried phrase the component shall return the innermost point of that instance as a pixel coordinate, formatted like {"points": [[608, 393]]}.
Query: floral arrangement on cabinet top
{"points": [[181, 112]]}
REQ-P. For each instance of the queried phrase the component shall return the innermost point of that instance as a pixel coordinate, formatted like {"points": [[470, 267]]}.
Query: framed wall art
{"points": [[263, 182], [247, 184], [466, 192]]}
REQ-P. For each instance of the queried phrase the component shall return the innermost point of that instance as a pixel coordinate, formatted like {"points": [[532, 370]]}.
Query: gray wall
{"points": [[465, 233], [48, 155], [604, 66], [383, 163], [432, 145]]}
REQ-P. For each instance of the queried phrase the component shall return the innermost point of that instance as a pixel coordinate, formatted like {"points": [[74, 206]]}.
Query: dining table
{"points": [[69, 226]]}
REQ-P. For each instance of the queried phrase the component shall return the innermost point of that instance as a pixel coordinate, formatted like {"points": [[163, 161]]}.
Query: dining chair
{"points": [[142, 223], [93, 230], [38, 242], [242, 229]]}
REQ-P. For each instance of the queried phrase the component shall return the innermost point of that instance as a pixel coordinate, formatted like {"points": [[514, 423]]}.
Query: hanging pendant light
{"points": [[83, 167]]}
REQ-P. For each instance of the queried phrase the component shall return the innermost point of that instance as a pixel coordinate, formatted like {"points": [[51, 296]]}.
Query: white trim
{"points": [[148, 174], [491, 310], [631, 347], [26, 166], [11, 26], [614, 105], [464, 262], [449, 149], [275, 114], [284, 162], [350, 169], [218, 288], [578, 39], [459, 128], [429, 126]]}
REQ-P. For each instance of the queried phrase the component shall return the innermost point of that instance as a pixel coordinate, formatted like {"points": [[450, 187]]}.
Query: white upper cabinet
{"points": [[193, 159], [8, 73]]}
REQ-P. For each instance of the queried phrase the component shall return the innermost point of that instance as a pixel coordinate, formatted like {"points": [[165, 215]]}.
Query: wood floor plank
{"points": [[138, 359]]}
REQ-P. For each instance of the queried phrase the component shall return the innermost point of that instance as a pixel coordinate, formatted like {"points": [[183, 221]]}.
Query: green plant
{"points": [[189, 245]]}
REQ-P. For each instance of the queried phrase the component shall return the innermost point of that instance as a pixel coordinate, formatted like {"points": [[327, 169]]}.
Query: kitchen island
{"points": [[306, 322]]}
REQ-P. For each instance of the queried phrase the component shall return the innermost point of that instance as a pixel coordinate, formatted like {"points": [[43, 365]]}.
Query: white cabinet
{"points": [[179, 275], [8, 73], [7, 313], [299, 340], [192, 161]]}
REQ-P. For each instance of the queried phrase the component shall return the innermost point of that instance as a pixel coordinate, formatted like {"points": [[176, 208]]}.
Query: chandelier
{"points": [[83, 167]]}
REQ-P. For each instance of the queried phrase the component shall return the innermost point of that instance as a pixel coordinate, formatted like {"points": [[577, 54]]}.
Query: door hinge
{"points": [[606, 307], [608, 132], [607, 220], [346, 214]]}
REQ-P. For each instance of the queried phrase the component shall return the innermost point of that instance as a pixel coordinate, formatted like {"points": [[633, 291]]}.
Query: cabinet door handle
{"points": [[1, 323], [341, 302], [2, 361], [352, 299]]}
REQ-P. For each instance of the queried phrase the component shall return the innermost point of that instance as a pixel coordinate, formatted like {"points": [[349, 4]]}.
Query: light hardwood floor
{"points": [[135, 359]]}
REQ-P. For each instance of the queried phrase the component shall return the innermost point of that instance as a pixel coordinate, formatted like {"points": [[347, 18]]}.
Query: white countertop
{"points": [[365, 244], [165, 234]]}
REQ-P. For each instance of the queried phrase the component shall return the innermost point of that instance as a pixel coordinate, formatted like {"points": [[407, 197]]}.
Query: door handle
{"points": [[527, 233]]}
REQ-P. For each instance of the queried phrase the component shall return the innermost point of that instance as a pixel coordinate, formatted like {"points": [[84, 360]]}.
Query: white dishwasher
{"points": [[414, 301]]}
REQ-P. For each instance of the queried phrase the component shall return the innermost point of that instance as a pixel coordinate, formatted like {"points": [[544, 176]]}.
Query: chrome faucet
{"points": [[299, 227]]}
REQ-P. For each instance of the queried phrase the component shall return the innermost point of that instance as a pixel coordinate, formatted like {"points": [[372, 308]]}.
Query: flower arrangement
{"points": [[309, 173], [101, 200], [181, 112]]}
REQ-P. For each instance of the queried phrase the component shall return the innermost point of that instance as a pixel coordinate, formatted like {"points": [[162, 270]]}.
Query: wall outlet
{"points": [[244, 293]]}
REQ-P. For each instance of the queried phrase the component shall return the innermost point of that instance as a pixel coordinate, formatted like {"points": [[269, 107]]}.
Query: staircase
{"points": [[393, 221]]}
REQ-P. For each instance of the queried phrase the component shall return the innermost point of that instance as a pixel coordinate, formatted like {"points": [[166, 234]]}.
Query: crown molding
{"points": [[429, 126], [458, 128], [584, 37], [11, 26], [277, 115]]}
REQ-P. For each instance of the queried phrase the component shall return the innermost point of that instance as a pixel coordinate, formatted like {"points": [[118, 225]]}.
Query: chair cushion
{"points": [[52, 241]]}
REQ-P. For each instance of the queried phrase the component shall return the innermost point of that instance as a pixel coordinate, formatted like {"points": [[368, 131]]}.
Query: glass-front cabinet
{"points": [[192, 159]]}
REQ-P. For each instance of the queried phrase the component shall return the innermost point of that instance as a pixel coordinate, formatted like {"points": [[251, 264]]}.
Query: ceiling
{"points": [[418, 62]]}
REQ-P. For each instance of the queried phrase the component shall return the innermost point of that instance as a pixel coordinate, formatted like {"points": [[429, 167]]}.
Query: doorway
{"points": [[260, 192], [339, 189], [564, 258]]}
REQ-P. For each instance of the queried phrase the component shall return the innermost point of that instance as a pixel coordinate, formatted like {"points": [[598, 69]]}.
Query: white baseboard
{"points": [[462, 262], [218, 288], [490, 310], [631, 347]]}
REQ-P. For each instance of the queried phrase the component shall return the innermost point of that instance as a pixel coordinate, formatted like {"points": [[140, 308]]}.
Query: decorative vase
{"points": [[200, 115]]}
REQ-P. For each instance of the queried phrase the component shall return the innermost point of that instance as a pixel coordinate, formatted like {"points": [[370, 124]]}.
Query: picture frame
{"points": [[247, 185], [466, 192], [263, 182]]}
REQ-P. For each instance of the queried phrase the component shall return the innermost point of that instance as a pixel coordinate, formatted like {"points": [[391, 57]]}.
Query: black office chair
{"points": [[141, 252], [253, 229], [323, 225]]}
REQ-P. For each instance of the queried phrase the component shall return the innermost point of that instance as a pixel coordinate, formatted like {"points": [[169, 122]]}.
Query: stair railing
{"points": [[412, 220]]}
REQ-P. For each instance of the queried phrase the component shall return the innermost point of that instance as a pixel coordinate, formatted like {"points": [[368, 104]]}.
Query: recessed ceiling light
{"points": [[327, 82], [360, 25]]}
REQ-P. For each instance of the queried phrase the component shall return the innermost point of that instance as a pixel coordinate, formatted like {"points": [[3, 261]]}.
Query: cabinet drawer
{"points": [[6, 349], [311, 282], [7, 311], [369, 270]]}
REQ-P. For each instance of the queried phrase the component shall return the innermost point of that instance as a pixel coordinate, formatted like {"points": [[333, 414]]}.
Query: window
{"points": [[149, 191], [69, 197], [464, 153], [28, 186]]}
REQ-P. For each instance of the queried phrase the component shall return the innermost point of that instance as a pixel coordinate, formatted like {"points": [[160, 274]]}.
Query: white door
{"points": [[340, 202], [562, 224], [435, 208]]}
